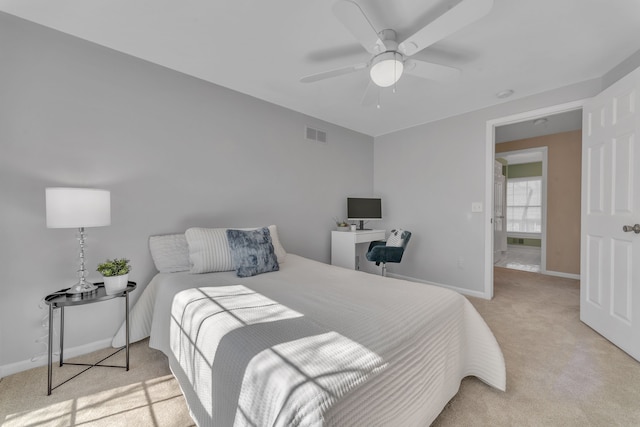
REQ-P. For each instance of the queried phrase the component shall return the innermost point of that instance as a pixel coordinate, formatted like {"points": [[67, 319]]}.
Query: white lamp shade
{"points": [[78, 207], [386, 69]]}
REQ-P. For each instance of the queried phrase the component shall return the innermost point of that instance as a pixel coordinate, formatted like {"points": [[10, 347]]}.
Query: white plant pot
{"points": [[115, 284]]}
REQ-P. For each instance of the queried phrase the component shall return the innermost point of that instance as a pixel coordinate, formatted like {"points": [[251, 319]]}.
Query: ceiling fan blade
{"points": [[431, 71], [333, 73], [353, 51], [354, 19], [371, 95], [463, 14]]}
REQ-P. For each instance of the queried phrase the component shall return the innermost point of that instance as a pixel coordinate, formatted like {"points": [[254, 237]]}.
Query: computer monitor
{"points": [[364, 209]]}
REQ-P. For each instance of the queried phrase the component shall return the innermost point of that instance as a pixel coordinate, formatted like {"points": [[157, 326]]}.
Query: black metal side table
{"points": [[61, 300]]}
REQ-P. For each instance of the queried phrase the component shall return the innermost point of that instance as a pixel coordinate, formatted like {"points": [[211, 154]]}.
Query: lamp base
{"points": [[82, 288]]}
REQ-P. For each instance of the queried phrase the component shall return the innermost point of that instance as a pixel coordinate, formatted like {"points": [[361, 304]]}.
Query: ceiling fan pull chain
{"points": [[395, 76]]}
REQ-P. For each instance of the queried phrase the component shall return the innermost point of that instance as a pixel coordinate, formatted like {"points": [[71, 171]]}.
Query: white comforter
{"points": [[427, 338]]}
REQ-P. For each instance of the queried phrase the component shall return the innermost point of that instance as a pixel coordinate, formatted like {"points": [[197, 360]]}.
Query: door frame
{"points": [[543, 232], [490, 153]]}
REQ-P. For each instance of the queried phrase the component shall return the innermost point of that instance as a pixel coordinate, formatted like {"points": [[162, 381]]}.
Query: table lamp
{"points": [[78, 208]]}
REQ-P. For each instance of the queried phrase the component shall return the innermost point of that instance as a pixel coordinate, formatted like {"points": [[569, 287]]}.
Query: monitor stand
{"points": [[361, 227]]}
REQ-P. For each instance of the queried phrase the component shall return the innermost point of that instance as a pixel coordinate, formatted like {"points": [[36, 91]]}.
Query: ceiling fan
{"points": [[391, 59]]}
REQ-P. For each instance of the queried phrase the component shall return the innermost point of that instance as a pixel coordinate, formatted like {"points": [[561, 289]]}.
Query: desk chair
{"points": [[389, 251]]}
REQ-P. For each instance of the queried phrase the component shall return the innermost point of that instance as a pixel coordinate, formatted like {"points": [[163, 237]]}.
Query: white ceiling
{"points": [[263, 48]]}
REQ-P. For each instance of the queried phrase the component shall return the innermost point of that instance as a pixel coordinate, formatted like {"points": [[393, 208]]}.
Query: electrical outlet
{"points": [[460, 263], [476, 207]]}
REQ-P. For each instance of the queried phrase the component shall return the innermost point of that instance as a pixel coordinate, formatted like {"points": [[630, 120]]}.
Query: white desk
{"points": [[344, 245]]}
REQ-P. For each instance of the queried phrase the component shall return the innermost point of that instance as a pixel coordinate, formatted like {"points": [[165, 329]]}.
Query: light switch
{"points": [[476, 207]]}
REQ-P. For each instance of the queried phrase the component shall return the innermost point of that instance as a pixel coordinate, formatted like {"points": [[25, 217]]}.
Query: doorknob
{"points": [[634, 228]]}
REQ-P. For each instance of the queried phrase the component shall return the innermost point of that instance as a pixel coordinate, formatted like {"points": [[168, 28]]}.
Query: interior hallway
{"points": [[519, 257]]}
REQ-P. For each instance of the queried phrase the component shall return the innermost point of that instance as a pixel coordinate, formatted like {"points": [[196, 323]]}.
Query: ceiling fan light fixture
{"points": [[386, 69]]}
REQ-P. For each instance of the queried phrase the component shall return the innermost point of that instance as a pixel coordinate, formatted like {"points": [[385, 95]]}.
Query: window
{"points": [[524, 205]]}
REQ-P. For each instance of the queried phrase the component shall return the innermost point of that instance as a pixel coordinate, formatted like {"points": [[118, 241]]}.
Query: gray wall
{"points": [[428, 177], [175, 152]]}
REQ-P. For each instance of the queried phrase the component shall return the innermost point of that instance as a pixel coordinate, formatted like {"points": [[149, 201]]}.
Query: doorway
{"points": [[522, 119], [525, 209]]}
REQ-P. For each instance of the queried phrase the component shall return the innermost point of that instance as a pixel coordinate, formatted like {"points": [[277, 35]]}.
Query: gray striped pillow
{"points": [[209, 250]]}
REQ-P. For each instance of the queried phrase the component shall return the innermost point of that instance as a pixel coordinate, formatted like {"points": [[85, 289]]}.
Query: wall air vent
{"points": [[315, 135]]}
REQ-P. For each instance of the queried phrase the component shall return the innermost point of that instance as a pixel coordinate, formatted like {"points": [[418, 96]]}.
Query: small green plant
{"points": [[340, 222], [114, 267]]}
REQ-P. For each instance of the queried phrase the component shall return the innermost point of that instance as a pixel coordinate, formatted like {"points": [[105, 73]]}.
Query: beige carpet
{"points": [[147, 395], [559, 373]]}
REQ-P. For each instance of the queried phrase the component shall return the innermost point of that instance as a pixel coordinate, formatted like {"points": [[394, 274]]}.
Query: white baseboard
{"points": [[24, 365], [561, 274], [476, 294]]}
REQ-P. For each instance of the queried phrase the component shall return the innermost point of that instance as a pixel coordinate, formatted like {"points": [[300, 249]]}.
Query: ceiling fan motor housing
{"points": [[386, 42]]}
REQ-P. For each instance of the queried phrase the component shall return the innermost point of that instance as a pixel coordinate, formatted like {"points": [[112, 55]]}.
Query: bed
{"points": [[314, 344]]}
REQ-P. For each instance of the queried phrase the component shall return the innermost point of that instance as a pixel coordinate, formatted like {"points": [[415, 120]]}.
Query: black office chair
{"points": [[389, 251]]}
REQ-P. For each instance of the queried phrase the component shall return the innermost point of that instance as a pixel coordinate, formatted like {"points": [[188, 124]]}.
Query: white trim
{"points": [[545, 207], [561, 274], [24, 365], [490, 158], [527, 178], [523, 235], [490, 154], [543, 179], [463, 291], [540, 112]]}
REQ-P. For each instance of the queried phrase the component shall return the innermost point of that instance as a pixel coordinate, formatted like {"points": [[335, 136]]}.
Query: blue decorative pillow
{"points": [[252, 252]]}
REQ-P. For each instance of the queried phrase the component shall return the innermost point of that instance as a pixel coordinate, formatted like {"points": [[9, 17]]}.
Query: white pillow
{"points": [[170, 253], [209, 248], [395, 238]]}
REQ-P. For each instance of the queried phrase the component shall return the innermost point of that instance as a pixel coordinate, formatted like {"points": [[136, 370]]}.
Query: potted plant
{"points": [[342, 225], [116, 274]]}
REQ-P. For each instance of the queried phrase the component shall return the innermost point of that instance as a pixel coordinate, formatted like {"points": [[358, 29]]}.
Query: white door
{"points": [[610, 257], [499, 214]]}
